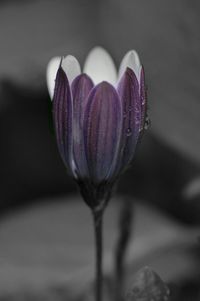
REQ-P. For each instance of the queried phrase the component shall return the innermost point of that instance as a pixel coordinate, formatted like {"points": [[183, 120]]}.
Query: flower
{"points": [[98, 117]]}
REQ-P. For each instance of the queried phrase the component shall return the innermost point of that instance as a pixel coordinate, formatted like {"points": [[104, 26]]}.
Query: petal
{"points": [[71, 67], [143, 98], [62, 115], [128, 90], [130, 60], [102, 130], [100, 66], [81, 87], [52, 69]]}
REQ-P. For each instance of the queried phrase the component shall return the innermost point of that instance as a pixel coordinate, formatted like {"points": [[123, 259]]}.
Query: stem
{"points": [[98, 222], [125, 223]]}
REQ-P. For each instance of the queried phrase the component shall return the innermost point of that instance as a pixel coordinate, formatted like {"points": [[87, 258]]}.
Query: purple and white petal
{"points": [[100, 66], [130, 60], [52, 69], [129, 93], [102, 130], [81, 87], [62, 115]]}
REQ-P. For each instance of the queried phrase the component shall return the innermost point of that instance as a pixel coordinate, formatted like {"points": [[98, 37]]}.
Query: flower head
{"points": [[98, 116]]}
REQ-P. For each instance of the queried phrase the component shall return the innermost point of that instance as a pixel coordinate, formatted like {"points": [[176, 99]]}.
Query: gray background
{"points": [[45, 229]]}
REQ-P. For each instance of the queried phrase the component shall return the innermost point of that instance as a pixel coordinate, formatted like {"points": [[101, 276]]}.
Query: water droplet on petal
{"points": [[130, 108], [143, 100], [128, 132]]}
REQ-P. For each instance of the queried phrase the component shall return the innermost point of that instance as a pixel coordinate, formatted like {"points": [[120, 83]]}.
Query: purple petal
{"points": [[102, 131], [143, 99], [128, 90], [81, 88], [62, 115]]}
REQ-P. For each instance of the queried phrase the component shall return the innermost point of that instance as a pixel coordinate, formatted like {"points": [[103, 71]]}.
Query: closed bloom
{"points": [[98, 115]]}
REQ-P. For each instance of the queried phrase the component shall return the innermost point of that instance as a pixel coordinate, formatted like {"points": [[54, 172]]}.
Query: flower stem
{"points": [[125, 223], [98, 222]]}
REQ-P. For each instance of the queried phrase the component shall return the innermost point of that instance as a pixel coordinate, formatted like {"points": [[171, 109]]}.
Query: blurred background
{"points": [[42, 215]]}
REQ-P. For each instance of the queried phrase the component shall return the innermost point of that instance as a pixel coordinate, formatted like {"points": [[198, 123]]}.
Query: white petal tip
{"points": [[100, 66], [97, 50], [71, 67], [130, 60], [134, 57]]}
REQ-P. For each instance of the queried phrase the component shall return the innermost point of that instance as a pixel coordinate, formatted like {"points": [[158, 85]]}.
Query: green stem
{"points": [[98, 222], [125, 223]]}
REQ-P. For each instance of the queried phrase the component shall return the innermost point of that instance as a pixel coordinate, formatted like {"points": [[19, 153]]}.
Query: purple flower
{"points": [[98, 116]]}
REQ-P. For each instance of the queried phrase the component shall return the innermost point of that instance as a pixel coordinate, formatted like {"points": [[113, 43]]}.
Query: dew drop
{"points": [[128, 132], [130, 108], [143, 100]]}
